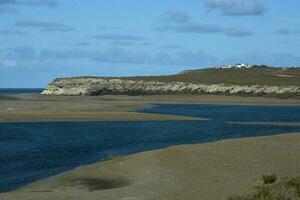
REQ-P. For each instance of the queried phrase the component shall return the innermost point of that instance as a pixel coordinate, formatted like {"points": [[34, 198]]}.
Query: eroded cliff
{"points": [[102, 86]]}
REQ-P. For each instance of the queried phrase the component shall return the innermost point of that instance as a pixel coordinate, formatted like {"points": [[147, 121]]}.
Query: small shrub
{"points": [[262, 193], [285, 189], [269, 179], [295, 184], [285, 195], [239, 197]]}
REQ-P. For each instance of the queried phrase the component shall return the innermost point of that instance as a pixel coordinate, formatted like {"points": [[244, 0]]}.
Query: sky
{"points": [[44, 39]]}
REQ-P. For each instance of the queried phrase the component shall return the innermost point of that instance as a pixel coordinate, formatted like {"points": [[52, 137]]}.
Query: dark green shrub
{"points": [[263, 193], [239, 197], [269, 179], [295, 184]]}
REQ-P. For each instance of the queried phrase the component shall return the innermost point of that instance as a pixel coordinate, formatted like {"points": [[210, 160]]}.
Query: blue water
{"points": [[9, 91], [227, 113], [31, 151]]}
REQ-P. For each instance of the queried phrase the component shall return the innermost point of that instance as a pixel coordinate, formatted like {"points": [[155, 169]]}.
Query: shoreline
{"points": [[199, 169], [147, 117], [35, 108], [206, 171]]}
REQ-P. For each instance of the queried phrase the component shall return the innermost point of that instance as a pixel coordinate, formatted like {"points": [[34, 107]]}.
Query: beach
{"points": [[35, 107], [202, 171], [136, 100]]}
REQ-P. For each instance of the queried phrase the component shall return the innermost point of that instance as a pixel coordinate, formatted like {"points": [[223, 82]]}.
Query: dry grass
{"points": [[267, 76], [295, 184], [246, 76], [286, 189]]}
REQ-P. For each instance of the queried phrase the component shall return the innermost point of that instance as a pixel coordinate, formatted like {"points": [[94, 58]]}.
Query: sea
{"points": [[30, 151], [10, 91]]}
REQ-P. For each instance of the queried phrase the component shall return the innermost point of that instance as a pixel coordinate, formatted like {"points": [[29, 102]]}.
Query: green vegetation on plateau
{"points": [[254, 81], [245, 76]]}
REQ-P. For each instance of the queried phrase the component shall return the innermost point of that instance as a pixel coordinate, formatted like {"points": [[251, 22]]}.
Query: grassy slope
{"points": [[271, 76], [249, 76]]}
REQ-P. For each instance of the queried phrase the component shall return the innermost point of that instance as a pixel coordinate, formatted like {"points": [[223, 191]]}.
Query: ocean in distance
{"points": [[9, 91]]}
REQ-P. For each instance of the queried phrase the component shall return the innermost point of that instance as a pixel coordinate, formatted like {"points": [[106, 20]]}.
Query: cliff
{"points": [[102, 86], [271, 82]]}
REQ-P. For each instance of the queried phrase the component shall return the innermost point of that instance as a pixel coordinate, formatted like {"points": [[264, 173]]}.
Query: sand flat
{"points": [[204, 171], [111, 108], [209, 171]]}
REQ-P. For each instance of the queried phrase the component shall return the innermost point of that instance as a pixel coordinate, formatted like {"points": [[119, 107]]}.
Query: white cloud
{"points": [[50, 3], [238, 32], [119, 37], [175, 16], [192, 28], [285, 31], [176, 22], [7, 63], [44, 26], [238, 7]]}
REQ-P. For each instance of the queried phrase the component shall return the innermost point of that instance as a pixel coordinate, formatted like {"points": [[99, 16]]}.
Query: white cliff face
{"points": [[101, 86]]}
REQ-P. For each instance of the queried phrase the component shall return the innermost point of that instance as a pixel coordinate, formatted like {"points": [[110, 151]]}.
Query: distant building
{"points": [[240, 66], [225, 66], [236, 66]]}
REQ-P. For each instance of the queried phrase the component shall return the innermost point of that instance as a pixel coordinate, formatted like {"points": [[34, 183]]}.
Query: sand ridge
{"points": [[32, 108]]}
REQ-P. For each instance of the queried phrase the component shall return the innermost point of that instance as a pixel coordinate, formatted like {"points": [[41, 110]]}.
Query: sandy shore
{"points": [[110, 108], [205, 171]]}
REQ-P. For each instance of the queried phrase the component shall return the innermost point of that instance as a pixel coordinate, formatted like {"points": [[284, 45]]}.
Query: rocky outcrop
{"points": [[101, 86]]}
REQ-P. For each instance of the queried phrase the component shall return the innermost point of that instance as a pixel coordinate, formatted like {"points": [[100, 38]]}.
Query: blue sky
{"points": [[44, 39]]}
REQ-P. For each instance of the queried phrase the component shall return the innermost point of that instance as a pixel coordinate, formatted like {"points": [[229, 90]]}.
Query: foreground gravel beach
{"points": [[205, 171]]}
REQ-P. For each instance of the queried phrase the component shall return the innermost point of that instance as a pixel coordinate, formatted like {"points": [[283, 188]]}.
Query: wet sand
{"points": [[110, 108], [204, 171]]}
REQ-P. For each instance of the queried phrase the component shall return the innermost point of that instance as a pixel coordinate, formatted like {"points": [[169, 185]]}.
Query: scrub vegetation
{"points": [[244, 76], [273, 189]]}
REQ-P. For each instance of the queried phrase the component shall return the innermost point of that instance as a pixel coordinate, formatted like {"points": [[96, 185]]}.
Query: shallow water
{"points": [[31, 151], [8, 91], [249, 113], [14, 93]]}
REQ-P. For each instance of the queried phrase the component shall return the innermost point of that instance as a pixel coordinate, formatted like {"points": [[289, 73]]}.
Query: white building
{"points": [[239, 66], [236, 66], [225, 66]]}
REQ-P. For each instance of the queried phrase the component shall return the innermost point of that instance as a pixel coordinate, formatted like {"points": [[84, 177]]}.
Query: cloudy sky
{"points": [[44, 39]]}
